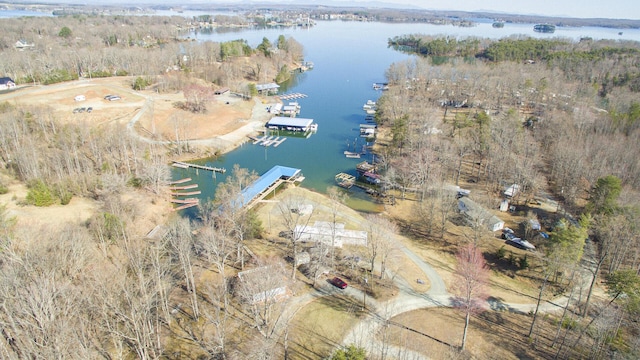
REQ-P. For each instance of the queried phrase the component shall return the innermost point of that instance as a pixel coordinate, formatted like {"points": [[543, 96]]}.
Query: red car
{"points": [[337, 282]]}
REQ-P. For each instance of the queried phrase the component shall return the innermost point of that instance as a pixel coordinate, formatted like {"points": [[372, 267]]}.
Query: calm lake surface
{"points": [[349, 57]]}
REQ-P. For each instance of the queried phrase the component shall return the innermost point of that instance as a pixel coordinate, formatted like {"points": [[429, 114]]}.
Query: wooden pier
{"points": [[187, 193], [185, 187], [185, 206], [185, 165], [185, 201], [181, 181]]}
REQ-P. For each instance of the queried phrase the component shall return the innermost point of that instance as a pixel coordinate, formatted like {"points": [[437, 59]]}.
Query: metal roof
{"points": [[289, 121], [264, 181], [270, 86]]}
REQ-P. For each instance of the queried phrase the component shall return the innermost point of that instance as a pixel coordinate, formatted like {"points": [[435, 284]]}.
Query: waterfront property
{"points": [[331, 234], [267, 89], [290, 124], [266, 183]]}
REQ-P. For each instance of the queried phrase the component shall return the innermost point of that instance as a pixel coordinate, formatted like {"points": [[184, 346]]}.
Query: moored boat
{"points": [[544, 28]]}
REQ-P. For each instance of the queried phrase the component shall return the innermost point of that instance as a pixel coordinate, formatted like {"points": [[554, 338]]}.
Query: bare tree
{"points": [[295, 220], [381, 242], [182, 244], [473, 274]]}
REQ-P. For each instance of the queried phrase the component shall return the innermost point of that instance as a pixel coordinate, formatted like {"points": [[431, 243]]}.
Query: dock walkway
{"points": [[185, 165]]}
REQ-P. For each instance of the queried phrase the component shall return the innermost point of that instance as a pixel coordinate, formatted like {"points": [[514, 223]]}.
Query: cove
{"points": [[348, 58]]}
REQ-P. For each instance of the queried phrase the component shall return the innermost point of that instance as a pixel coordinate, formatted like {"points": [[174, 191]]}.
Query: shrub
{"points": [[65, 197], [40, 194], [523, 262], [501, 252], [3, 189], [141, 83]]}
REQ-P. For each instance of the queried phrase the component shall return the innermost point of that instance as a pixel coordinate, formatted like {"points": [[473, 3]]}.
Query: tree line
{"points": [[86, 46], [559, 124]]}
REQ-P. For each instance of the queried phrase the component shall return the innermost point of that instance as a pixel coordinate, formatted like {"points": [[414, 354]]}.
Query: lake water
{"points": [[19, 13], [349, 57]]}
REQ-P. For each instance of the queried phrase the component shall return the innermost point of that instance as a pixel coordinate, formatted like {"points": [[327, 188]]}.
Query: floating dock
{"points": [[345, 180], [181, 181], [352, 155], [185, 187], [292, 96], [185, 165], [191, 193], [185, 201], [185, 206]]}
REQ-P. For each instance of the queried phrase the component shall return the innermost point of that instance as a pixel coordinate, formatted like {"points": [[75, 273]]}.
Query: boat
{"points": [[544, 28], [345, 180], [352, 155], [365, 167]]}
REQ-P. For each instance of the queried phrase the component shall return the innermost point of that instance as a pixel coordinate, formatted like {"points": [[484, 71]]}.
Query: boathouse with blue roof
{"points": [[267, 182]]}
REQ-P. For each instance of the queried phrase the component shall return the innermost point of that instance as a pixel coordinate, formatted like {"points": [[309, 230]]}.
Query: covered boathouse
{"points": [[289, 123], [266, 183]]}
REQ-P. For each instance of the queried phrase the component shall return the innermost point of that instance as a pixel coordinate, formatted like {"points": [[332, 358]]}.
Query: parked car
{"points": [[112, 97], [82, 109], [89, 109], [339, 283]]}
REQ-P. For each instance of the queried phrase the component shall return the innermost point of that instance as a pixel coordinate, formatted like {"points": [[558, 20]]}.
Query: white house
{"points": [[474, 212], [324, 231], [6, 83]]}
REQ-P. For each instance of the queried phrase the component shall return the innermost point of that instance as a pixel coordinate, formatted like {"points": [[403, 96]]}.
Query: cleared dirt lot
{"points": [[161, 120]]}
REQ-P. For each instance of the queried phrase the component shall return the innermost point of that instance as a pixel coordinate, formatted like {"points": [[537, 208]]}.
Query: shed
{"points": [[504, 205]]}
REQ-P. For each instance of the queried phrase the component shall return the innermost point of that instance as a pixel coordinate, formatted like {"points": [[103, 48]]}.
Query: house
{"points": [[512, 190], [6, 83], [331, 234], [22, 44], [475, 213], [267, 89], [263, 284]]}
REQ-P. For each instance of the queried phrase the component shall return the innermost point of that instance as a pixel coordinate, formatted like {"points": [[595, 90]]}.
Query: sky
{"points": [[614, 9]]}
